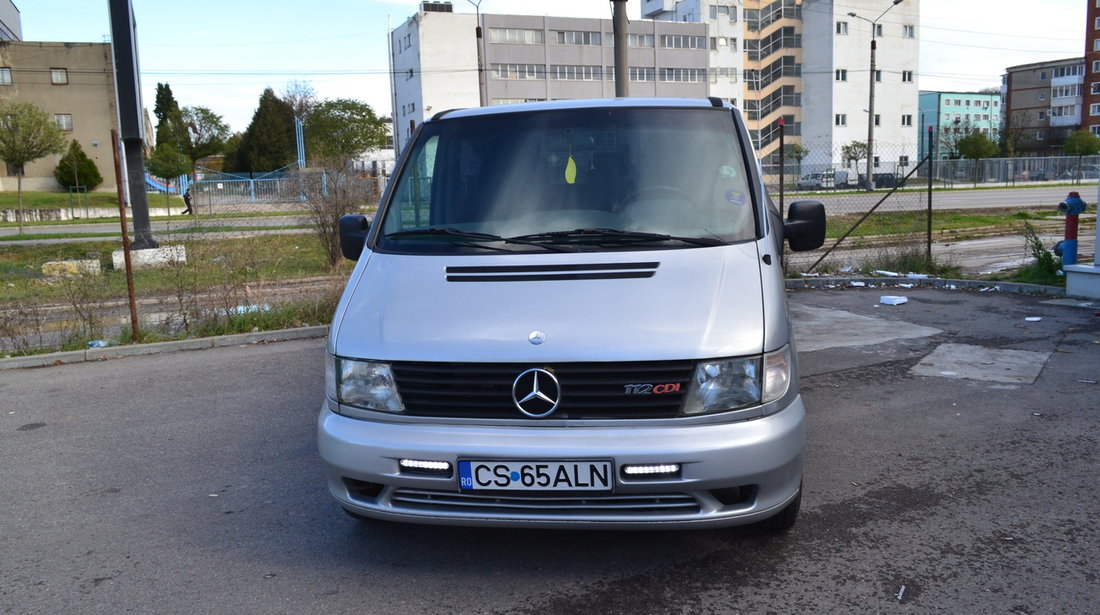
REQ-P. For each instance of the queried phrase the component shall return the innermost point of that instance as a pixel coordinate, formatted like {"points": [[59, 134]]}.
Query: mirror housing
{"points": [[804, 228], [353, 235]]}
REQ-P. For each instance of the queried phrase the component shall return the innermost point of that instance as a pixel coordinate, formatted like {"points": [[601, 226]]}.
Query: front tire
{"points": [[785, 519]]}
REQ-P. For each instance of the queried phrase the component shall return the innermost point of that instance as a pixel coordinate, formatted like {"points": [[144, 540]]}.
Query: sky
{"points": [[221, 54]]}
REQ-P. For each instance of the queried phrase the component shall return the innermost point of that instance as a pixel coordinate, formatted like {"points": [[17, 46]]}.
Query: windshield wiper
{"points": [[602, 234], [470, 238]]}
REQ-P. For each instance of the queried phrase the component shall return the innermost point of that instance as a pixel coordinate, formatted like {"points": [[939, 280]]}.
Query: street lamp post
{"points": [[871, 95], [482, 94]]}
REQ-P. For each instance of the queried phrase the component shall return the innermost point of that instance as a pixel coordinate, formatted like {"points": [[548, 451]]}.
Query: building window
{"points": [[519, 36], [1042, 95], [907, 76], [878, 29], [878, 120], [64, 121], [683, 41], [518, 71], [723, 11], [59, 76], [840, 119], [639, 40], [643, 73], [1040, 136], [907, 120], [1096, 22], [1096, 66], [876, 161], [5, 76], [1094, 109], [571, 72], [903, 161], [841, 27], [1095, 128], [1042, 75], [683, 75], [878, 76], [1042, 115], [909, 31], [842, 74], [577, 37], [1094, 87]]}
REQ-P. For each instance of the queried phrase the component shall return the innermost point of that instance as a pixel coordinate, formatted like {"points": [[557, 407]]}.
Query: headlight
{"points": [[730, 384], [364, 384]]}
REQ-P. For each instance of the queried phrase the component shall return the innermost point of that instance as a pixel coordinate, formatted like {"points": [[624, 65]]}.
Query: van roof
{"points": [[589, 103]]}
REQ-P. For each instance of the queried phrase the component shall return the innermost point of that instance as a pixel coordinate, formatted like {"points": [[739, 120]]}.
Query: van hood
{"points": [[617, 306]]}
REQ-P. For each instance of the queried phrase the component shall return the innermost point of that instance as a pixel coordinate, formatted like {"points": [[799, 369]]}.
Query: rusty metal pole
{"points": [[135, 330]]}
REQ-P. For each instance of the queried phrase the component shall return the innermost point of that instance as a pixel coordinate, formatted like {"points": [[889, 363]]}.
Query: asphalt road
{"points": [[189, 483]]}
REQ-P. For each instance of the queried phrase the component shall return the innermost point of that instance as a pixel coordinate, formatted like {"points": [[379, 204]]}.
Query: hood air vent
{"points": [[541, 273]]}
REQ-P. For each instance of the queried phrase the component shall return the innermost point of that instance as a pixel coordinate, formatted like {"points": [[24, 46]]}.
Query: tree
{"points": [[168, 163], [27, 133], [337, 133], [1081, 143], [342, 129], [796, 152], [976, 146], [301, 98], [171, 127], [854, 152], [208, 129], [76, 169], [1016, 136], [268, 144]]}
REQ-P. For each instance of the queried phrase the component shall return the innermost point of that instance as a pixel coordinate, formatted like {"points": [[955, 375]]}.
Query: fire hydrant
{"points": [[1072, 207]]}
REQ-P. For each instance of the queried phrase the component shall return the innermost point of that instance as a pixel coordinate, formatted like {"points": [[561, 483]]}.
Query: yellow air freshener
{"points": [[570, 171]]}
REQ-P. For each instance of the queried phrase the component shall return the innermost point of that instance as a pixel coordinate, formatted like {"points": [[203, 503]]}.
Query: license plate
{"points": [[535, 475]]}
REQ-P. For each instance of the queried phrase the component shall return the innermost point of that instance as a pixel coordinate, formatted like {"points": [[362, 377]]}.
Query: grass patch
{"points": [[58, 200], [211, 264], [899, 223]]}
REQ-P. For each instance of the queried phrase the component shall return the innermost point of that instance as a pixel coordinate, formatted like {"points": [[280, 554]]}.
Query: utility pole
{"points": [[871, 95], [622, 67], [482, 88], [130, 117]]}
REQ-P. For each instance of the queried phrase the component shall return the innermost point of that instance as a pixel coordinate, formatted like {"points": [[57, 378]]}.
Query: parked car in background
{"points": [[815, 181]]}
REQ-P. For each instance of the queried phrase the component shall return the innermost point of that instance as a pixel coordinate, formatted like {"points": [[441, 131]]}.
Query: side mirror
{"points": [[804, 227], [353, 235]]}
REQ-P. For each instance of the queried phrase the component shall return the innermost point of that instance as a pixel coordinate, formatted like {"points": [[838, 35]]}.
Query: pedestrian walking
{"points": [[187, 201]]}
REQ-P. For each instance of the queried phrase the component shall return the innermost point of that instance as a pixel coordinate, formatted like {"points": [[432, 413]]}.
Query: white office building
{"points": [[528, 58]]}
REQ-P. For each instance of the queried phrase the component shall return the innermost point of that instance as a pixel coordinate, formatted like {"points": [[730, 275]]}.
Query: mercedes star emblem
{"points": [[536, 393]]}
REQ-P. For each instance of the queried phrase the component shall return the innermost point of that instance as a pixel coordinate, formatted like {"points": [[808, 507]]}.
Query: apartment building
{"points": [[807, 63], [74, 83], [434, 57], [11, 28], [1042, 105], [953, 115], [1090, 106]]}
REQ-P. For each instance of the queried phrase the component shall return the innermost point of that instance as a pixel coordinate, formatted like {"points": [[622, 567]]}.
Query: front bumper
{"points": [[731, 473]]}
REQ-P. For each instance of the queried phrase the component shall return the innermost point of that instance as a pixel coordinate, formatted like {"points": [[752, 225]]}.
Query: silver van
{"points": [[570, 315]]}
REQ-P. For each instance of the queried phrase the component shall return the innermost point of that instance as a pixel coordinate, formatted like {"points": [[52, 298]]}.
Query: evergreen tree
{"points": [[171, 127], [268, 144], [77, 169]]}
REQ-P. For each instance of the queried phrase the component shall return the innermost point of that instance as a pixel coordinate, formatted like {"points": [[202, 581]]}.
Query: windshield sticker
{"points": [[570, 171], [727, 171], [736, 197]]}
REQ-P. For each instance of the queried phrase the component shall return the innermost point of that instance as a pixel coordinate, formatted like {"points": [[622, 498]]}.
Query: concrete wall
{"points": [[88, 96]]}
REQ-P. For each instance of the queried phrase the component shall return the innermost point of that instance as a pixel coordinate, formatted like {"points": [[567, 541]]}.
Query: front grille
{"points": [[588, 390], [670, 504]]}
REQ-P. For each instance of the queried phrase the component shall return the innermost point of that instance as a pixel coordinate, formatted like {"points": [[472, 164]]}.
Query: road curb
{"points": [[944, 283], [131, 350]]}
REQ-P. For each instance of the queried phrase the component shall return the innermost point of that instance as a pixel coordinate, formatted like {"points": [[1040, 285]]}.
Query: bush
{"points": [[77, 169]]}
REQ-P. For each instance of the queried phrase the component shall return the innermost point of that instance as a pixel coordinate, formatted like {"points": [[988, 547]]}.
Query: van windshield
{"points": [[577, 179]]}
